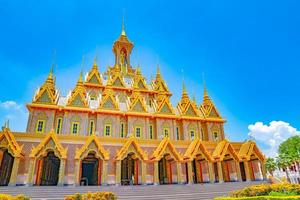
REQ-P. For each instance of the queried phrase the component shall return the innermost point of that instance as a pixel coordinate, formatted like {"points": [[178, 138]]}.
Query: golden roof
{"points": [[132, 141], [92, 139], [196, 147], [47, 93], [7, 140], [49, 142], [223, 148], [248, 149], [94, 77], [166, 147], [78, 96]]}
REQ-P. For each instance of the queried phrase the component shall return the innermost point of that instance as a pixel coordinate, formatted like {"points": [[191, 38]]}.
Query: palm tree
{"points": [[271, 165], [284, 161]]}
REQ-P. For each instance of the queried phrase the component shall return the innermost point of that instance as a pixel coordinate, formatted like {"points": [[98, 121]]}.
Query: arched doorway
{"points": [[229, 168], [165, 169], [6, 164], [200, 169], [130, 170], [91, 170], [48, 170]]}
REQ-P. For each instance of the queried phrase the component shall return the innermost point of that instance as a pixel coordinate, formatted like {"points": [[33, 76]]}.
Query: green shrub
{"points": [[266, 189], [260, 198], [9, 197], [92, 196]]}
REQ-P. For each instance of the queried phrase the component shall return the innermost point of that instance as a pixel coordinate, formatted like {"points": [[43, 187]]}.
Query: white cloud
{"points": [[16, 114], [272, 135], [10, 105]]}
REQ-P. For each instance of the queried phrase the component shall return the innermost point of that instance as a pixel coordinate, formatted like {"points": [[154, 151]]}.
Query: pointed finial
{"points": [[183, 87], [157, 69], [123, 25], [204, 85], [80, 77], [95, 62], [50, 76], [194, 97]]}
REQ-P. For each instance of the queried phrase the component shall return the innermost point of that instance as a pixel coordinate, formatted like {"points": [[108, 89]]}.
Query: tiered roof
{"points": [[124, 89]]}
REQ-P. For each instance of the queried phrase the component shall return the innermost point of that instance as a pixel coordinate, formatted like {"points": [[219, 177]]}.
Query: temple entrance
{"points": [[216, 172], [90, 170], [6, 164], [48, 170], [165, 170], [243, 173], [129, 170], [228, 170], [200, 168]]}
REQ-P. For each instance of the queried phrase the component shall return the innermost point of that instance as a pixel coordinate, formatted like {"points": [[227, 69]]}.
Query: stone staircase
{"points": [[149, 192]]}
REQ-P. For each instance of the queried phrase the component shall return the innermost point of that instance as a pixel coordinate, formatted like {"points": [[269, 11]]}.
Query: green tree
{"points": [[271, 165], [291, 150], [284, 161]]}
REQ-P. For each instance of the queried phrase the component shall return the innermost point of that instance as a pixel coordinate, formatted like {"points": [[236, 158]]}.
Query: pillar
{"points": [[14, 172], [190, 172], [179, 173], [104, 172], [155, 174], [77, 172], [31, 169], [238, 171], [118, 172], [220, 172], [211, 172], [61, 174], [247, 171], [144, 172], [263, 170]]}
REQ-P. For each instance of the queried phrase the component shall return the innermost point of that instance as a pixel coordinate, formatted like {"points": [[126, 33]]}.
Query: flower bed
{"points": [[266, 191], [9, 197], [92, 196]]}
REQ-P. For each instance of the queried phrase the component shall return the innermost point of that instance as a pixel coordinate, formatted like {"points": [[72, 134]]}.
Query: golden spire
{"points": [[183, 88], [80, 77], [123, 27], [95, 62], [157, 72], [205, 95]]}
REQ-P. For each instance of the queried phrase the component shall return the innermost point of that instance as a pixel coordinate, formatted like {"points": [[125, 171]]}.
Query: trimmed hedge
{"points": [[92, 196], [266, 189], [260, 198], [9, 197]]}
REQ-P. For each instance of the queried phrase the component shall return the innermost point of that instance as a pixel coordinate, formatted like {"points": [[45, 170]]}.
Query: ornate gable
{"points": [[159, 84], [131, 145], [50, 142], [222, 149], [137, 102], [108, 100], [248, 149], [47, 93], [7, 140], [197, 147], [94, 75], [166, 147], [139, 81], [92, 144], [208, 107], [78, 95], [165, 107], [116, 78]]}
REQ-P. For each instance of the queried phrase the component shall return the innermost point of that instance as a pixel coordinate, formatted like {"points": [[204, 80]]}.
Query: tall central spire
{"points": [[123, 27]]}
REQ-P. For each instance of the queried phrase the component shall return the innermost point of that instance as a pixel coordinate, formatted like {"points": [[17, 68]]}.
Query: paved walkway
{"points": [[150, 192]]}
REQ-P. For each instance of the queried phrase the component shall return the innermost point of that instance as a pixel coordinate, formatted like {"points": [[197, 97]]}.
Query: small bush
{"points": [[92, 196], [260, 198], [9, 197], [265, 190]]}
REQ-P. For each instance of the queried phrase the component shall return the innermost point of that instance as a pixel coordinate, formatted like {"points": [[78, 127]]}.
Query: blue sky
{"points": [[248, 50]]}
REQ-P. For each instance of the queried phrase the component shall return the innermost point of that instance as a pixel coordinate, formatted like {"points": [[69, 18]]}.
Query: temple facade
{"points": [[117, 128]]}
